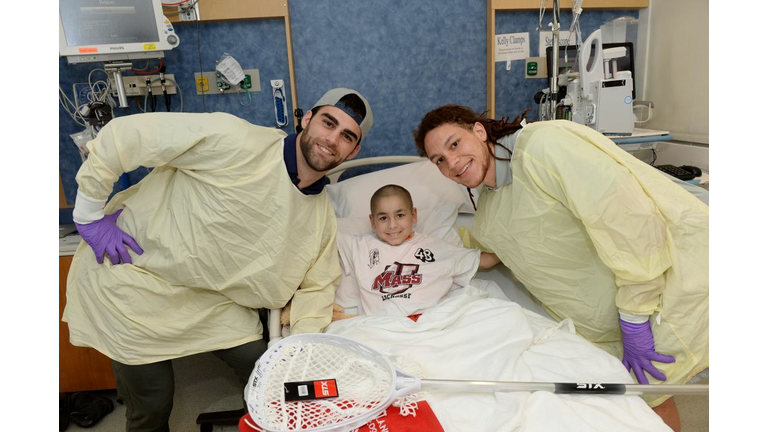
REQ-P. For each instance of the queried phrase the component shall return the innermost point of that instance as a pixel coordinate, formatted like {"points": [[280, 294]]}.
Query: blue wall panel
{"points": [[406, 57]]}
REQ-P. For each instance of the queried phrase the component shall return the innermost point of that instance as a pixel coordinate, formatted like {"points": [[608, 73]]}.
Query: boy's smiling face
{"points": [[393, 220]]}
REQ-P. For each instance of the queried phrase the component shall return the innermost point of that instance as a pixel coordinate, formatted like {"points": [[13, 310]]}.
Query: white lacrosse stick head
{"points": [[367, 384]]}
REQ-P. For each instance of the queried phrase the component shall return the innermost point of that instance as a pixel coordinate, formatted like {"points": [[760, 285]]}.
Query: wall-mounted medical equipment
{"points": [[115, 33], [230, 76], [212, 83], [136, 85], [278, 96]]}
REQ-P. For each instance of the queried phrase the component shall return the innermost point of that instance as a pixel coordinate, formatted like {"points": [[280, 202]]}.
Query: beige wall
{"points": [[676, 75]]}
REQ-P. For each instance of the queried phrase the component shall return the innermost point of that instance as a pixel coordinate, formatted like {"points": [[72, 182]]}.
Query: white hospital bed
{"points": [[490, 330]]}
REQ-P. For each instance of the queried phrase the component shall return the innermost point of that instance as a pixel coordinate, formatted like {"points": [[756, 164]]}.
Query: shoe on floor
{"points": [[87, 409]]}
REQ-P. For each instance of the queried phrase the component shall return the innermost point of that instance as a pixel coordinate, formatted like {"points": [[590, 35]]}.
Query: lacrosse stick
{"points": [[367, 383]]}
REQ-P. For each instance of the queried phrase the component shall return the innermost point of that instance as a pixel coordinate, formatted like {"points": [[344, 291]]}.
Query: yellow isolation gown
{"points": [[223, 229], [590, 230]]}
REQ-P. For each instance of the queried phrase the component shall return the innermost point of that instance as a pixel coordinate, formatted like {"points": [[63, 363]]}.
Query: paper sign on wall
{"points": [[545, 40], [512, 46]]}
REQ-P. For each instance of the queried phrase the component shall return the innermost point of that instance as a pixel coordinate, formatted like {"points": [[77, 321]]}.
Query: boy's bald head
{"points": [[391, 190]]}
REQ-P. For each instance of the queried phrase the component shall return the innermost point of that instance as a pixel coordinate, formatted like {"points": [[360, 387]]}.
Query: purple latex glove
{"points": [[103, 236], [639, 351]]}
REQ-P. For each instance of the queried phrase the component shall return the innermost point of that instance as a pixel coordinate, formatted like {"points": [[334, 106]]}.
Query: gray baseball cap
{"points": [[333, 98]]}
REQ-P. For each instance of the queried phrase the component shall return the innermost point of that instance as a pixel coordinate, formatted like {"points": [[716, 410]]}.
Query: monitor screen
{"points": [[113, 30], [626, 63], [99, 22]]}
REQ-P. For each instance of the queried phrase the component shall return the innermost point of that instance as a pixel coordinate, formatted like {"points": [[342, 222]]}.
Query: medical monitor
{"points": [[113, 30], [626, 63]]}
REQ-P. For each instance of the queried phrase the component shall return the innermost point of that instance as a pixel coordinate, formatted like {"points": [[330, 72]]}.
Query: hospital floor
{"points": [[204, 384]]}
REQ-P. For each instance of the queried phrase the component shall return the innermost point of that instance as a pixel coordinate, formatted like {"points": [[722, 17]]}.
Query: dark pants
{"points": [[147, 390]]}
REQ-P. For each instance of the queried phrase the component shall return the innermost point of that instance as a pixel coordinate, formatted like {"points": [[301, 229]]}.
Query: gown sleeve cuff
{"points": [[87, 209], [634, 319]]}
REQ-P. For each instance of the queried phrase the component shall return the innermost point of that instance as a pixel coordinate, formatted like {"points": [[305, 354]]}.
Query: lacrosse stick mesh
{"points": [[364, 379]]}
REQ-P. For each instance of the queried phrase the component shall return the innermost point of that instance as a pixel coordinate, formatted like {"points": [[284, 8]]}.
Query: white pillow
{"points": [[428, 188], [437, 222]]}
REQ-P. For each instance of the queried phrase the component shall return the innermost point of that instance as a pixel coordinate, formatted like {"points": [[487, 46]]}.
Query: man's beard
{"points": [[312, 159], [485, 163], [484, 166]]}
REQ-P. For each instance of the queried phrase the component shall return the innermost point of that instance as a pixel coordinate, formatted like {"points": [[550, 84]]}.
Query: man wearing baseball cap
{"points": [[232, 218]]}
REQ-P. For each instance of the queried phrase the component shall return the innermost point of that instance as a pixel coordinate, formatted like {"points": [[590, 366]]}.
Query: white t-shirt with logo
{"points": [[406, 279]]}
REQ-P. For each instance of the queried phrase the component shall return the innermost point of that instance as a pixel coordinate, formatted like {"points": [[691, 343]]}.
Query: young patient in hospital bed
{"points": [[401, 272]]}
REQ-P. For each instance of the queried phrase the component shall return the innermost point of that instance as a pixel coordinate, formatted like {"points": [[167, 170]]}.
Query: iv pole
{"points": [[554, 67], [551, 107]]}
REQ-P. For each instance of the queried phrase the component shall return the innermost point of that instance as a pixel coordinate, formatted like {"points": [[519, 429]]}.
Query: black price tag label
{"points": [[304, 390]]}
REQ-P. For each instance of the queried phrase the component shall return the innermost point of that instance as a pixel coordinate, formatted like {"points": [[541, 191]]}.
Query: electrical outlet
{"points": [[211, 83], [136, 85], [202, 85], [246, 82]]}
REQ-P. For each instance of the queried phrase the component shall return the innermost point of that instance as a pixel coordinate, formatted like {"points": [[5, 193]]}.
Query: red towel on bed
{"points": [[389, 420]]}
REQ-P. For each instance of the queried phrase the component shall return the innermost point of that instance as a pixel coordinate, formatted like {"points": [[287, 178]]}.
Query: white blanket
{"points": [[471, 336]]}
